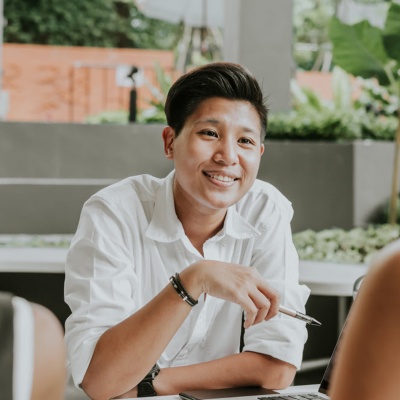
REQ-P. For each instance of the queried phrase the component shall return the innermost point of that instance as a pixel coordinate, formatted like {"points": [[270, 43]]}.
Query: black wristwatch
{"points": [[145, 387]]}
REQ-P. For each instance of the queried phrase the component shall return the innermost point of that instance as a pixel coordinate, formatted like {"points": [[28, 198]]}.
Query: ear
{"points": [[168, 136], [262, 149]]}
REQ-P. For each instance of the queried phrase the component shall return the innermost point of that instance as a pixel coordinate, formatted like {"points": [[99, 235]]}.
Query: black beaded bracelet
{"points": [[177, 285]]}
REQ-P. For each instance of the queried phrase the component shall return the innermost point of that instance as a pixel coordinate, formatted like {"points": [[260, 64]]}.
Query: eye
{"points": [[208, 132], [247, 141]]}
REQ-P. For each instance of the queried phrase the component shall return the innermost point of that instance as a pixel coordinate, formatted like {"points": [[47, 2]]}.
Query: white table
{"points": [[331, 279], [37, 260]]}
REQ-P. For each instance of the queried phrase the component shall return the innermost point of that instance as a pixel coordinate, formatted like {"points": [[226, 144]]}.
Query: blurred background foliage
{"points": [[98, 23], [357, 245], [119, 23]]}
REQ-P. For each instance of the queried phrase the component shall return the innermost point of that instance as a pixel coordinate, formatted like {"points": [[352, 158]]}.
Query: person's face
{"points": [[216, 155]]}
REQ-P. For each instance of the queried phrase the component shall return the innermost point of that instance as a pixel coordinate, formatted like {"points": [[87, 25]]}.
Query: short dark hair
{"points": [[220, 79]]}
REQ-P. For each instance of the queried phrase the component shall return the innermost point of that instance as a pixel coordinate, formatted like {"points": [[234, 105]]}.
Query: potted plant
{"points": [[373, 51], [353, 246], [330, 158]]}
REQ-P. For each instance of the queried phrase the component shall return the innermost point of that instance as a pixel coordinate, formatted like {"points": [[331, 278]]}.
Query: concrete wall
{"points": [[259, 35], [44, 150], [47, 171]]}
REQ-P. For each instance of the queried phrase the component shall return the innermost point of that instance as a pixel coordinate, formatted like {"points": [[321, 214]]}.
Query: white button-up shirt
{"points": [[129, 242]]}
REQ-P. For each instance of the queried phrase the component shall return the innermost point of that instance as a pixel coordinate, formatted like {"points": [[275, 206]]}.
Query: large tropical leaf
{"points": [[358, 49], [391, 34]]}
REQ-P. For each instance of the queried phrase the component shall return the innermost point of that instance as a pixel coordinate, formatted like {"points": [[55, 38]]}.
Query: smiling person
{"points": [[183, 276]]}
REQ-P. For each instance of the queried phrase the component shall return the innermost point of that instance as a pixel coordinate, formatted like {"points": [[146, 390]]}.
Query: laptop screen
{"points": [[324, 386]]}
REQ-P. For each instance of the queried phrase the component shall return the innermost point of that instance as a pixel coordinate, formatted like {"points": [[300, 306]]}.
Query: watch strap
{"points": [[146, 387]]}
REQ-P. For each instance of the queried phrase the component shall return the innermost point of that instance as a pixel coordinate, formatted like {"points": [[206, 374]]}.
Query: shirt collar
{"points": [[166, 227], [237, 227]]}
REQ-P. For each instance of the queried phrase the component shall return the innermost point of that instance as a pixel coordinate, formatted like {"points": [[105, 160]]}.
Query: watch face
{"points": [[146, 389]]}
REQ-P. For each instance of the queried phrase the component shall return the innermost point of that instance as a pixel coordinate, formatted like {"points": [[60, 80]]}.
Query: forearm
{"points": [[126, 352], [244, 369]]}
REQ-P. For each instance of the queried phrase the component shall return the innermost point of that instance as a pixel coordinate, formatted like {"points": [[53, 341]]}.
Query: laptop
{"points": [[323, 388], [258, 394]]}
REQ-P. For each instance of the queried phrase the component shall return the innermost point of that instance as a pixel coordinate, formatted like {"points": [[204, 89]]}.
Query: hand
{"points": [[235, 283]]}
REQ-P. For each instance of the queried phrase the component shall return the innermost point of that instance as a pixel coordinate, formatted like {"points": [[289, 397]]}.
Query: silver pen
{"points": [[297, 314]]}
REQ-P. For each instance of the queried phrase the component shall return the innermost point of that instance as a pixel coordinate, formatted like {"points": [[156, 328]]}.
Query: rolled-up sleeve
{"points": [[276, 258], [282, 337], [99, 280]]}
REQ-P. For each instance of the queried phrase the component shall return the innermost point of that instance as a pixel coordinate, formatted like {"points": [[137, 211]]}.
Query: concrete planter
{"points": [[330, 184], [47, 171]]}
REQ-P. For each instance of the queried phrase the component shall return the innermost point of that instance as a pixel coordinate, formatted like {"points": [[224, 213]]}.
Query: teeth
{"points": [[222, 178]]}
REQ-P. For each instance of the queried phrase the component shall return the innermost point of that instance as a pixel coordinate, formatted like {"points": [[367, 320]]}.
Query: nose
{"points": [[227, 152]]}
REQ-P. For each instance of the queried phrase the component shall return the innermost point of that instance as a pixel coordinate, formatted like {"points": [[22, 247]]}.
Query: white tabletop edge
{"points": [[325, 279]]}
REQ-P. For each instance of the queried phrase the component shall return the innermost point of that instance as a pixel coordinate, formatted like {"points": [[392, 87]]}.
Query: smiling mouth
{"points": [[221, 178]]}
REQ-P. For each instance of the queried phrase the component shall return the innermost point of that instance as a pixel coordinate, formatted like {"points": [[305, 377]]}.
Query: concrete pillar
{"points": [[258, 34]]}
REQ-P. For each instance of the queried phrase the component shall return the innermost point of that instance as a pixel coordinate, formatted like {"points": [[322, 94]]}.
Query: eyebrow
{"points": [[216, 121], [212, 120]]}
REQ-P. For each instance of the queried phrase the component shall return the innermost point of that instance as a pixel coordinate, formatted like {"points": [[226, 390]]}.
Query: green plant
{"points": [[108, 117], [381, 215], [312, 125], [368, 51], [376, 98], [340, 119], [310, 21], [357, 245], [373, 52], [155, 113], [19, 241], [100, 23]]}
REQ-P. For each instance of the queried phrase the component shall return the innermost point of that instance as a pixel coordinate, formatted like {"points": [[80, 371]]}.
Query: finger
{"points": [[267, 291], [258, 308], [261, 315], [274, 298], [262, 304], [250, 311], [273, 309]]}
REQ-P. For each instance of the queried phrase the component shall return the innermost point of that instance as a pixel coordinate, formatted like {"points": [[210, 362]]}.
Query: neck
{"points": [[199, 226]]}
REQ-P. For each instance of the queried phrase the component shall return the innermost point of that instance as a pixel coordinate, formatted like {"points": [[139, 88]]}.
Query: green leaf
{"points": [[313, 99], [391, 34], [342, 89], [359, 50]]}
